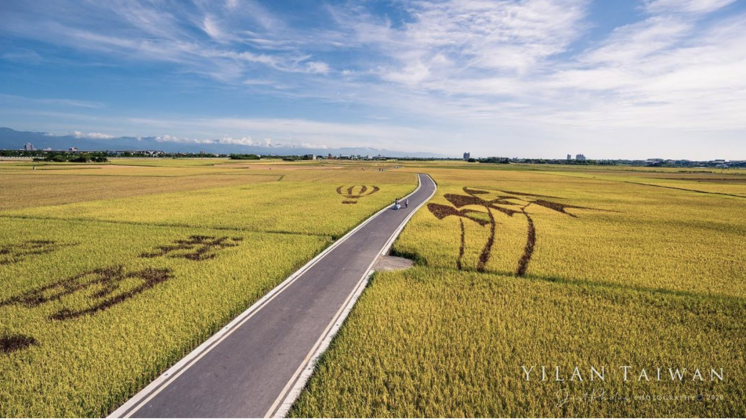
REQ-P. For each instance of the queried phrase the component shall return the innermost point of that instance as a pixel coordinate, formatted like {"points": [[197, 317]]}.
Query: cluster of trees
{"points": [[504, 160], [21, 153], [244, 156], [492, 160], [293, 158], [72, 157]]}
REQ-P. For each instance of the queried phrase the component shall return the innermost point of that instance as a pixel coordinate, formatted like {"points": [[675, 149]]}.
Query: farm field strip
{"points": [[633, 221], [173, 225], [680, 188], [434, 343], [108, 280], [91, 318], [137, 171], [104, 287], [239, 207], [616, 274], [736, 188], [25, 191]]}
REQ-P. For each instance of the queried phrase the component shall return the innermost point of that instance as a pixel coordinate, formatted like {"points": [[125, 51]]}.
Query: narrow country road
{"points": [[254, 366]]}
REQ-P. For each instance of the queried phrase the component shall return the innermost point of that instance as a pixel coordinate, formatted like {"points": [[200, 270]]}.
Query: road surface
{"points": [[254, 366]]}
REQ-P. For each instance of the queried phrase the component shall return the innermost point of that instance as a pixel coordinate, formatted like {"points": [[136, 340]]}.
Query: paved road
{"points": [[254, 366]]}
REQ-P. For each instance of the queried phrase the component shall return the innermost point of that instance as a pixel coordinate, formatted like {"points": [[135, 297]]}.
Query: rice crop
{"points": [[112, 275], [433, 342], [280, 206], [522, 267], [102, 308], [585, 230]]}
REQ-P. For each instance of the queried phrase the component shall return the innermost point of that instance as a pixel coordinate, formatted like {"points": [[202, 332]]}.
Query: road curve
{"points": [[255, 366]]}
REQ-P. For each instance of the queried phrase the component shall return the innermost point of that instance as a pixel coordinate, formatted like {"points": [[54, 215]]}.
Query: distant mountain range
{"points": [[14, 140]]}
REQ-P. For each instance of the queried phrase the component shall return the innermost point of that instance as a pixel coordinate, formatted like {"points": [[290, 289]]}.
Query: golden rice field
{"points": [[547, 266], [110, 274]]}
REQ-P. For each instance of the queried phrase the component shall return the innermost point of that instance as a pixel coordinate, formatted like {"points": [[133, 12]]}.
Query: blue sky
{"points": [[530, 78]]}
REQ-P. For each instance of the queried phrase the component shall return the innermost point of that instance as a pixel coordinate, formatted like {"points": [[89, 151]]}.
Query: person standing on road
{"points": [[406, 203]]}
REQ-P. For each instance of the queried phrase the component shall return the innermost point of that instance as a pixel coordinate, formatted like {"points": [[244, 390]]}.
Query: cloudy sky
{"points": [[529, 78]]}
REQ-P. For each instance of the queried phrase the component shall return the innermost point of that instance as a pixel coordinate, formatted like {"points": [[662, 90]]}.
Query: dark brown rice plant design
{"points": [[201, 247], [104, 284], [10, 343], [14, 253], [353, 193], [487, 218]]}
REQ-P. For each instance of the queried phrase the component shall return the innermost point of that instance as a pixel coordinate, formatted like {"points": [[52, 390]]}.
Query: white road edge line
{"points": [[305, 370], [135, 403]]}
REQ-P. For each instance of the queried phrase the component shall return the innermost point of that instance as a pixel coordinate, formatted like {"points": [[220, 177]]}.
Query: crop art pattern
{"points": [[14, 342], [353, 193], [14, 253], [480, 207], [93, 291], [103, 288], [196, 248]]}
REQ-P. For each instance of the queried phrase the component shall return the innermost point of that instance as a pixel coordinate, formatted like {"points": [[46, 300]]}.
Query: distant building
{"points": [[29, 147], [569, 156], [580, 157], [467, 156], [47, 149], [73, 149], [720, 163], [654, 162]]}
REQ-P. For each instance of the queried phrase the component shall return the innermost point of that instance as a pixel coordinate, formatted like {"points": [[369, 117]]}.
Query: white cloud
{"points": [[638, 41], [244, 141], [169, 138], [22, 100], [210, 26], [686, 6], [97, 136], [672, 71], [313, 146], [317, 67], [155, 31], [468, 38], [23, 56], [228, 140]]}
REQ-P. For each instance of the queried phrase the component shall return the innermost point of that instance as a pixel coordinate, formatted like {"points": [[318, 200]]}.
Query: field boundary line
{"points": [[132, 405], [302, 375], [644, 184], [164, 225], [685, 189]]}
